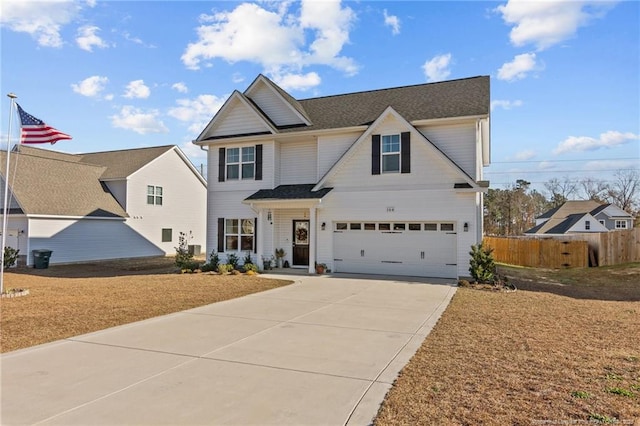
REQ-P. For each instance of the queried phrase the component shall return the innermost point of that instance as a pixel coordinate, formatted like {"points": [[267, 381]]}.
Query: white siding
{"points": [[88, 239], [17, 236], [298, 162], [457, 141], [331, 148], [226, 204], [183, 207], [238, 119], [274, 106]]}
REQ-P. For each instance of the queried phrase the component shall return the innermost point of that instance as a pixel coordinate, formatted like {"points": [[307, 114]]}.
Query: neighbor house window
{"points": [[390, 154], [587, 225], [239, 234], [167, 235], [601, 222], [154, 195], [621, 224], [240, 163]]}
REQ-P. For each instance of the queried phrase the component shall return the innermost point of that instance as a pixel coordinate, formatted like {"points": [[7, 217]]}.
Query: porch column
{"points": [[312, 240], [260, 237]]}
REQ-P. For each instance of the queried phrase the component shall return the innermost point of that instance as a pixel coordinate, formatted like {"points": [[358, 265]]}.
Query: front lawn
{"points": [[563, 349]]}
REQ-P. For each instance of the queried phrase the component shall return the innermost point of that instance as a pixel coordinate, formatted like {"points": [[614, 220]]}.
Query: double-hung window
{"points": [[154, 195], [239, 234], [241, 163], [390, 154]]}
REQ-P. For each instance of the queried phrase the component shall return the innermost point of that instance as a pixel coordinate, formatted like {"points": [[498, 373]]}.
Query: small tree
{"points": [[482, 266], [183, 257], [10, 256]]}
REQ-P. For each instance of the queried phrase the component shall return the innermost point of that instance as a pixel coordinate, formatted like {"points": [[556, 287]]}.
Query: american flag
{"points": [[35, 130]]}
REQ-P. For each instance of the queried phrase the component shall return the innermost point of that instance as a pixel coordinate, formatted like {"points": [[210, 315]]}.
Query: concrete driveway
{"points": [[323, 351]]}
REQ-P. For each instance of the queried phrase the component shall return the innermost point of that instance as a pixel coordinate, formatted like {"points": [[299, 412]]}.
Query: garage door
{"points": [[426, 249]]}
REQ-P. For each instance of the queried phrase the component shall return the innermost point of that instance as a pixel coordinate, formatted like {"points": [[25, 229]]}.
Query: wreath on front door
{"points": [[301, 234]]}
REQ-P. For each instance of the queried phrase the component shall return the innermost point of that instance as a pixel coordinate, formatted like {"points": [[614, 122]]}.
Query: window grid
{"points": [[621, 224], [154, 195], [390, 154], [239, 234], [241, 163]]}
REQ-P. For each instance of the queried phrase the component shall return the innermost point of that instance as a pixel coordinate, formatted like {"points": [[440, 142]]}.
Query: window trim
{"points": [[240, 163], [162, 237], [587, 225], [621, 222], [155, 194], [384, 154], [239, 234]]}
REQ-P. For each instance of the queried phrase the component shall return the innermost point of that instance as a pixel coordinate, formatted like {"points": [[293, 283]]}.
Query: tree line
{"points": [[513, 210]]}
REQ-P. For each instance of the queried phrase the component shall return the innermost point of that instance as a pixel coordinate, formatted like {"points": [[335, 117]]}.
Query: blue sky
{"points": [[565, 76]]}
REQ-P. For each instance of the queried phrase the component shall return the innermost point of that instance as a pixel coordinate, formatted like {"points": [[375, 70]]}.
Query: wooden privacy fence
{"points": [[539, 253], [568, 251]]}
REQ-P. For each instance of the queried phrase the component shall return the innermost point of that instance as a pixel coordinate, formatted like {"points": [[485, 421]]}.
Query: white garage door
{"points": [[426, 249]]}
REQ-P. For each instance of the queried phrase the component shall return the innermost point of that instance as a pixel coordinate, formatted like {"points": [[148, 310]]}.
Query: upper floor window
{"points": [[621, 224], [390, 153], [241, 163], [587, 225], [154, 195]]}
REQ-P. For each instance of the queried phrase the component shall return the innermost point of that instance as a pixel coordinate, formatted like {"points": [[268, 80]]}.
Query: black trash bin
{"points": [[41, 258]]}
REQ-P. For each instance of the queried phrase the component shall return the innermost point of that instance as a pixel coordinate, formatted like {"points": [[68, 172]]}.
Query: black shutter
{"points": [[258, 162], [221, 164], [221, 234], [405, 152], [375, 154], [255, 233]]}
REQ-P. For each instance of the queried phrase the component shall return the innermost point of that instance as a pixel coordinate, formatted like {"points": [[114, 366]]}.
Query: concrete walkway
{"points": [[323, 351]]}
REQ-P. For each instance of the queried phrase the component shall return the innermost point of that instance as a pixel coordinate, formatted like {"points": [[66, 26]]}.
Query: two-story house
{"points": [[384, 181], [103, 205]]}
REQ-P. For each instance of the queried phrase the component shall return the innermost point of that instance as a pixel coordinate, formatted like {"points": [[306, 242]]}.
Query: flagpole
{"points": [[6, 195]]}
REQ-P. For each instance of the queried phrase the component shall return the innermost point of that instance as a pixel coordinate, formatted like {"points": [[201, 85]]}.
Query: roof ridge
{"points": [[59, 159], [393, 88], [127, 149]]}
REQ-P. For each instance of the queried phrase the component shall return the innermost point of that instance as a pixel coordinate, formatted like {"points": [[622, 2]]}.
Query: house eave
{"points": [[279, 136]]}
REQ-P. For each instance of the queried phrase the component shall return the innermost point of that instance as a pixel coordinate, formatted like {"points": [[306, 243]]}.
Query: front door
{"points": [[301, 242]]}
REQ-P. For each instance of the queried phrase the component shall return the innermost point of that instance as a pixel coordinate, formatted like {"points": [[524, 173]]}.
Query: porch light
{"points": [[466, 227], [269, 217], [323, 226]]}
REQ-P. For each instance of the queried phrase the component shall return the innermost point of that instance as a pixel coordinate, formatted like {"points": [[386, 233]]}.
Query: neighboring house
{"points": [[383, 182], [103, 205], [581, 216]]}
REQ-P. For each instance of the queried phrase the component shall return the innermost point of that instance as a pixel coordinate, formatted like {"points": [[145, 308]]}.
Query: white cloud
{"points": [[505, 104], [275, 39], [87, 38], [141, 122], [137, 89], [392, 21], [298, 81], [608, 139], [237, 77], [437, 68], [91, 86], [546, 23], [518, 68], [180, 87], [42, 20], [525, 155], [546, 165], [197, 112], [610, 165]]}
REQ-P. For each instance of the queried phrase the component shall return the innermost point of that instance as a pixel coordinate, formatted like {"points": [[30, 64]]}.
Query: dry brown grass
{"points": [[69, 300], [528, 357]]}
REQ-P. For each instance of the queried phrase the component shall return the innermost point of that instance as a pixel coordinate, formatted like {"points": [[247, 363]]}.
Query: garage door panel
{"points": [[412, 253]]}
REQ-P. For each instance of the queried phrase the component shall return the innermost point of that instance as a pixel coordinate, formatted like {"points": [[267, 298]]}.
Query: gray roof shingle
{"points": [[122, 163], [289, 192]]}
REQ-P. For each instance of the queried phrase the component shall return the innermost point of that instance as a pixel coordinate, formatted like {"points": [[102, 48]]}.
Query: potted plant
{"points": [[280, 254], [320, 268]]}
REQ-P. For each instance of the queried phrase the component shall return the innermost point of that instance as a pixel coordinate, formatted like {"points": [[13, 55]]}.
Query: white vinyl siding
{"points": [[119, 190], [88, 239], [457, 141], [331, 148], [298, 162], [274, 106], [238, 119]]}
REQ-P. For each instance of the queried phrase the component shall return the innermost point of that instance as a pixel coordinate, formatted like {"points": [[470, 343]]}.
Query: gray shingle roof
{"points": [[289, 192], [122, 163], [454, 98], [45, 184], [561, 217]]}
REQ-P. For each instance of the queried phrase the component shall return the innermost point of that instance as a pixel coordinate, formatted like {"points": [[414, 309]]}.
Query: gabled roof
{"points": [[570, 207], [123, 163], [389, 111], [468, 97], [566, 224], [45, 184], [293, 103], [289, 192], [560, 219]]}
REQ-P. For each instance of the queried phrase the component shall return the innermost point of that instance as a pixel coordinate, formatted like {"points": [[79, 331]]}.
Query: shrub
{"points": [[10, 256], [232, 259], [482, 266], [190, 266], [247, 259], [235, 272], [183, 257], [224, 268], [208, 267], [250, 267], [212, 265]]}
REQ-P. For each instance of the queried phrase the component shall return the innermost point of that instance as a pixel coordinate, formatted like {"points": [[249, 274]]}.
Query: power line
{"points": [[561, 161], [555, 171]]}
